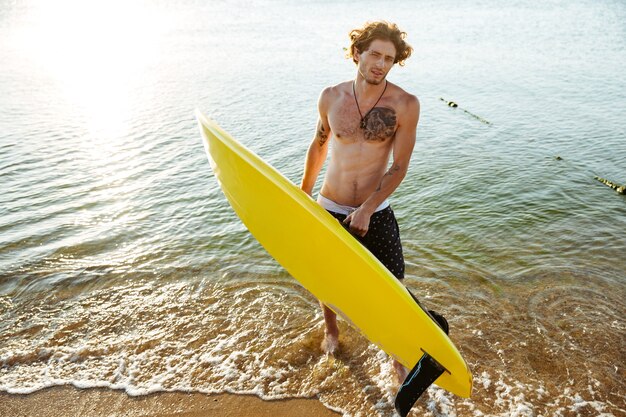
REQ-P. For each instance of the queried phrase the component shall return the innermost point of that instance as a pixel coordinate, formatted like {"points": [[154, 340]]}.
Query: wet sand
{"points": [[100, 402]]}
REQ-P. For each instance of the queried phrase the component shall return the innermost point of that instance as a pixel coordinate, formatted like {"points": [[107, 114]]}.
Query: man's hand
{"points": [[359, 221]]}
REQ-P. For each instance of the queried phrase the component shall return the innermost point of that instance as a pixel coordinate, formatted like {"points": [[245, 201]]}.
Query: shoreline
{"points": [[69, 401]]}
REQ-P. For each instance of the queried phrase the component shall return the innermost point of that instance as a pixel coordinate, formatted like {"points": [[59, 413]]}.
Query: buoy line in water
{"points": [[454, 105], [620, 189]]}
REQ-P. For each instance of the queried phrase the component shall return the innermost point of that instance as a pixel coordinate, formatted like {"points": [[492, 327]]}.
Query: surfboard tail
{"points": [[417, 381]]}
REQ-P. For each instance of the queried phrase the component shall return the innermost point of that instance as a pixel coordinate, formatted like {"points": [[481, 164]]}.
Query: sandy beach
{"points": [[69, 401]]}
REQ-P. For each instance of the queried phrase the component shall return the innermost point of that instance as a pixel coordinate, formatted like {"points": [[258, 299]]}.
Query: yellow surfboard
{"points": [[318, 252]]}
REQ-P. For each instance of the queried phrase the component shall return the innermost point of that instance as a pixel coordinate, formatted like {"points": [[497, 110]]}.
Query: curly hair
{"points": [[362, 38]]}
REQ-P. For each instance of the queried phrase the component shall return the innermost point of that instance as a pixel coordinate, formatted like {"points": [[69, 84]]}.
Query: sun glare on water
{"points": [[97, 53]]}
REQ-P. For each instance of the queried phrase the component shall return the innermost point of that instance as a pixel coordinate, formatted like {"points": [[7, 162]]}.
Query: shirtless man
{"points": [[368, 120]]}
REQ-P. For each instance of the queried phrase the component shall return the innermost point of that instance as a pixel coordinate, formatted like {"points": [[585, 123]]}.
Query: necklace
{"points": [[359, 109]]}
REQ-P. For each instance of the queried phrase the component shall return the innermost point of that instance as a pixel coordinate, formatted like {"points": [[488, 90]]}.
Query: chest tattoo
{"points": [[379, 124]]}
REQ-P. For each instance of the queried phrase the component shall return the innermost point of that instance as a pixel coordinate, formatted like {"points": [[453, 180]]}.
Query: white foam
{"points": [[268, 382], [440, 402], [580, 403]]}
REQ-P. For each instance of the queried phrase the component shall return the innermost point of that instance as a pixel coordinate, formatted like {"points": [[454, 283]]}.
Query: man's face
{"points": [[376, 61]]}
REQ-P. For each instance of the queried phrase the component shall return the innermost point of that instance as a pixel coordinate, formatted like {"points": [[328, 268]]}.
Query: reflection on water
{"points": [[92, 67], [121, 264]]}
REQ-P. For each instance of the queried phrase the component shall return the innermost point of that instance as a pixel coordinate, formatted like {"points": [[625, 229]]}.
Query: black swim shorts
{"points": [[382, 239]]}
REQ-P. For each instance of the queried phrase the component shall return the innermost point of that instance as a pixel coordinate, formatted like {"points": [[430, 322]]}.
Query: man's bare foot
{"points": [[330, 342], [401, 371]]}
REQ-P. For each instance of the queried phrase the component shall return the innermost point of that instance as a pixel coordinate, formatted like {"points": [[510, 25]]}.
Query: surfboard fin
{"points": [[417, 381]]}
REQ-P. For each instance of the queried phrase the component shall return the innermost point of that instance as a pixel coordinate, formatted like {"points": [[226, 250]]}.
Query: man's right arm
{"points": [[318, 149]]}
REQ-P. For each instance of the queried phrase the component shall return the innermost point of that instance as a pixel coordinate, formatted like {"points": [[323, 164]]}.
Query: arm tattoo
{"points": [[394, 168], [321, 134]]}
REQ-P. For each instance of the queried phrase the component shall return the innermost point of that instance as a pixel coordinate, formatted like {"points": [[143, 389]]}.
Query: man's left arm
{"points": [[404, 142]]}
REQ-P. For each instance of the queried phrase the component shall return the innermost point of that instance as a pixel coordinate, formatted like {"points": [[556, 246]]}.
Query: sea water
{"points": [[122, 265]]}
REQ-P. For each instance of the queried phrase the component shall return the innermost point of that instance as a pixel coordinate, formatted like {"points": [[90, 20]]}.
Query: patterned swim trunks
{"points": [[382, 239]]}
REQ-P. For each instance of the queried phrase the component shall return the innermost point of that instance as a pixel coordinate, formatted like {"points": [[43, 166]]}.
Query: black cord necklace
{"points": [[363, 124]]}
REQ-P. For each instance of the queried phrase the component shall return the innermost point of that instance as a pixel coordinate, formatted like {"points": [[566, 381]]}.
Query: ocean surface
{"points": [[122, 265]]}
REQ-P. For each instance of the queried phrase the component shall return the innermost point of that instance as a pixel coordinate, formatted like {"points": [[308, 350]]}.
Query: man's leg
{"points": [[331, 331], [401, 371]]}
